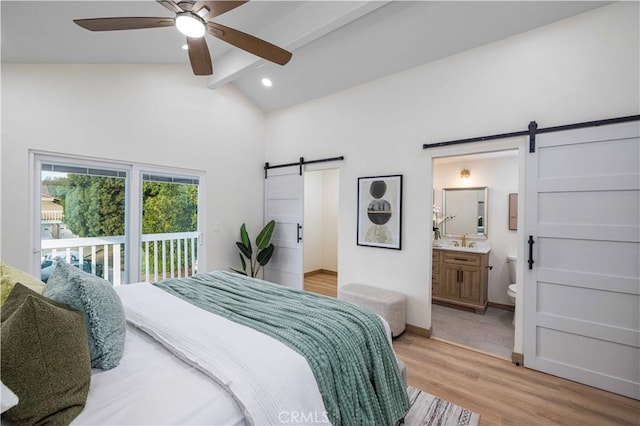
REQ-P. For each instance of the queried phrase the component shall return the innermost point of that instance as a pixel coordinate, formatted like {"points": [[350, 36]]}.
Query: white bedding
{"points": [[153, 387], [267, 378]]}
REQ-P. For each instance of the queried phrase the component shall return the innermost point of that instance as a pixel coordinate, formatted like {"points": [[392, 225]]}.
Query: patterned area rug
{"points": [[426, 409]]}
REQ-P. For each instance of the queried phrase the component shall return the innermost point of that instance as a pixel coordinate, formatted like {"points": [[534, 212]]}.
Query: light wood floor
{"points": [[322, 283], [500, 392], [504, 394]]}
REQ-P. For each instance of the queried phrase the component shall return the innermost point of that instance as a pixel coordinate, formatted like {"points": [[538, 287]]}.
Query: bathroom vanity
{"points": [[459, 277], [460, 272]]}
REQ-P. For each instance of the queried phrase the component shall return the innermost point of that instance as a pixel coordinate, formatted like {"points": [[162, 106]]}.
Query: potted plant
{"points": [[264, 249], [438, 221]]}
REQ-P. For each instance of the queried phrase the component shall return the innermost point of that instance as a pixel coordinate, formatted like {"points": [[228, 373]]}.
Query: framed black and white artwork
{"points": [[380, 211]]}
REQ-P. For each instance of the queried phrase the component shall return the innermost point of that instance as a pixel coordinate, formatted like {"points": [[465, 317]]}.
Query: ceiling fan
{"points": [[192, 18]]}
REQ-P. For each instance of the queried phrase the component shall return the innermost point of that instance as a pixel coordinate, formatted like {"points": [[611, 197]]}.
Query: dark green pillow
{"points": [[45, 359]]}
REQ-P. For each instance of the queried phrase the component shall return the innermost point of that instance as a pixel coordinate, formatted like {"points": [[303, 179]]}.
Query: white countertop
{"points": [[481, 247]]}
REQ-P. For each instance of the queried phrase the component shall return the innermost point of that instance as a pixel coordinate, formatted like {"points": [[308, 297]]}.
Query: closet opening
{"points": [[320, 237]]}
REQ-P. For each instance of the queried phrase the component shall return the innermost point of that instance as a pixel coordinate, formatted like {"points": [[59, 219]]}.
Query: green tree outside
{"points": [[94, 206], [169, 207]]}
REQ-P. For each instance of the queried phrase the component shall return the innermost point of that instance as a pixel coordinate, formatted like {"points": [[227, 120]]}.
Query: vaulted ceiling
{"points": [[335, 44]]}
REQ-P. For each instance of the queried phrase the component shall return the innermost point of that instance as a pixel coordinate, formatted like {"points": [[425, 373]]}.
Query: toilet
{"points": [[512, 261]]}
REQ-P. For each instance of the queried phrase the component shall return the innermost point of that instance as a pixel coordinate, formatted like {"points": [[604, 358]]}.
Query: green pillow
{"points": [[45, 359], [9, 276], [104, 315]]}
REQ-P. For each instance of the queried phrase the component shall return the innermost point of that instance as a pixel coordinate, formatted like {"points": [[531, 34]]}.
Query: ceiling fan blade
{"points": [[249, 43], [199, 56], [115, 24], [171, 5], [215, 8]]}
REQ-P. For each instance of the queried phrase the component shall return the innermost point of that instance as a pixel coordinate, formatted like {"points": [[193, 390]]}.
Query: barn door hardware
{"points": [[533, 127], [533, 130], [531, 243], [300, 163]]}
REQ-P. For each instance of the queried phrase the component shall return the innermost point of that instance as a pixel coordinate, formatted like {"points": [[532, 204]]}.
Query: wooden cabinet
{"points": [[461, 278]]}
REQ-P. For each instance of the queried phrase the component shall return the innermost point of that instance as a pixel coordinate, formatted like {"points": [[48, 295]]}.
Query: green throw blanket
{"points": [[345, 345]]}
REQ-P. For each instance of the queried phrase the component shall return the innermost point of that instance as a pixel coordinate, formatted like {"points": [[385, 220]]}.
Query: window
{"points": [[169, 226], [90, 214]]}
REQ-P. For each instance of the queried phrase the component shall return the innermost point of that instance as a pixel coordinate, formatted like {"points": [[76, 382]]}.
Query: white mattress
{"points": [[153, 387]]}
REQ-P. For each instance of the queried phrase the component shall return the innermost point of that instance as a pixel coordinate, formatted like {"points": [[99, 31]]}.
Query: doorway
{"points": [[489, 178], [579, 292], [320, 238]]}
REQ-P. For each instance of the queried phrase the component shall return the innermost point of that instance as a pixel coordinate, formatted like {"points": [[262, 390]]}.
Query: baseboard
{"points": [[419, 331], [320, 271], [517, 359], [501, 306]]}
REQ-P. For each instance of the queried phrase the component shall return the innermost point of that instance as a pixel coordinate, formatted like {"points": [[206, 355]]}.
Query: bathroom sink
{"points": [[478, 246]]}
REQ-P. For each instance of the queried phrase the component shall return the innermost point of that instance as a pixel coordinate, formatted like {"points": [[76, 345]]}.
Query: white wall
{"points": [[330, 182], [583, 68], [160, 115], [500, 175], [313, 224], [321, 220]]}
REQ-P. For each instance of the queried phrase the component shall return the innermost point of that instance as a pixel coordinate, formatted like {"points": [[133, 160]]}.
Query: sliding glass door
{"points": [[82, 219], [91, 214]]}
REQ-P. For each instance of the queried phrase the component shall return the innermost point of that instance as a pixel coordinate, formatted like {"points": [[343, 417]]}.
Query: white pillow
{"points": [[7, 399]]}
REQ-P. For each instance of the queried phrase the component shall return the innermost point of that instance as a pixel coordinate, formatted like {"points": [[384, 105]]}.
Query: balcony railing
{"points": [[51, 216], [174, 252], [162, 256]]}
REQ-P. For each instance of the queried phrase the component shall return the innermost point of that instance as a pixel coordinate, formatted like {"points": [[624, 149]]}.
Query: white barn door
{"points": [[284, 203], [582, 295]]}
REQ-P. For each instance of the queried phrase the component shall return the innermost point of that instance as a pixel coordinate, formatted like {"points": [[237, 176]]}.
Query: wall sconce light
{"points": [[465, 174]]}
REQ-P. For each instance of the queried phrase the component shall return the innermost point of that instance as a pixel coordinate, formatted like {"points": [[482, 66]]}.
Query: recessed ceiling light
{"points": [[185, 47], [266, 82]]}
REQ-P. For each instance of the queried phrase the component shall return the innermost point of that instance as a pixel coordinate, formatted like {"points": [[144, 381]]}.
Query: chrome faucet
{"points": [[464, 240]]}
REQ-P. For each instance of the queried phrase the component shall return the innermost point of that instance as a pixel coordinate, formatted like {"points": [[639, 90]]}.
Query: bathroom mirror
{"points": [[469, 206]]}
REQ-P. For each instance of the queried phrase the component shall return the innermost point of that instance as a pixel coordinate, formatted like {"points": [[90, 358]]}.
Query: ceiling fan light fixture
{"points": [[190, 24]]}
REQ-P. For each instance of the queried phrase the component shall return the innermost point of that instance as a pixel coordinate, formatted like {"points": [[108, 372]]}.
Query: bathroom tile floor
{"points": [[491, 333]]}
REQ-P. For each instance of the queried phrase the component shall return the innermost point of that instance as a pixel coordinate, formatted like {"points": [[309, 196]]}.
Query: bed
{"points": [[222, 349], [151, 386]]}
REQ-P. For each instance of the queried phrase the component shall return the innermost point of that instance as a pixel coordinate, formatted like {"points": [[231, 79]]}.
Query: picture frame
{"points": [[380, 211]]}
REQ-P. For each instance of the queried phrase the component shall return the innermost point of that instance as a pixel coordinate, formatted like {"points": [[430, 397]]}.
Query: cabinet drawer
{"points": [[436, 256], [461, 258]]}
